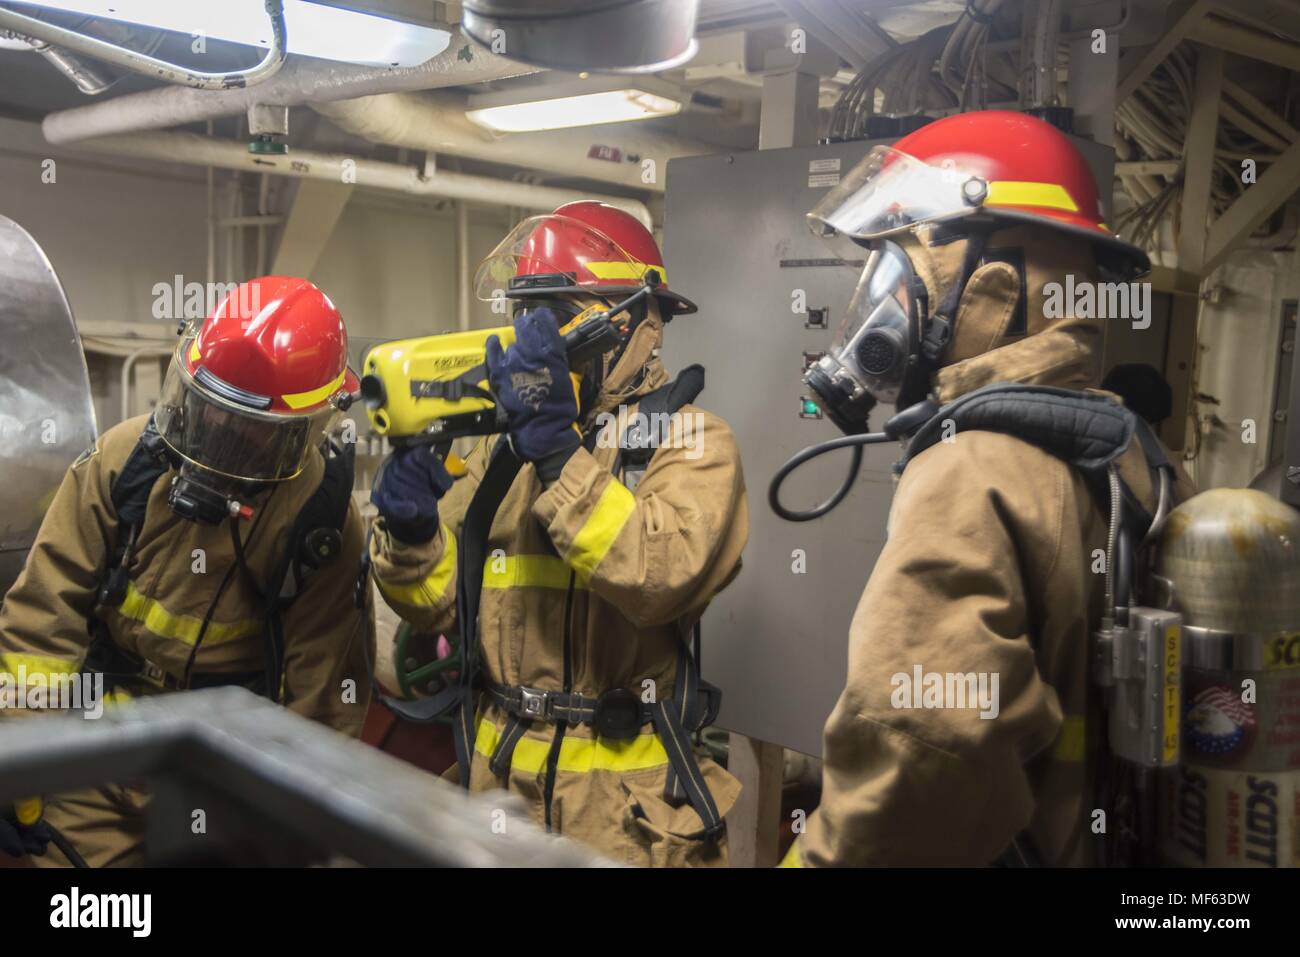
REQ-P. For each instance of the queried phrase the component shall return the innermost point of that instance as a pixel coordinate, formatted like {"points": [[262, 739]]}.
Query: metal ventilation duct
{"points": [[46, 415], [617, 36]]}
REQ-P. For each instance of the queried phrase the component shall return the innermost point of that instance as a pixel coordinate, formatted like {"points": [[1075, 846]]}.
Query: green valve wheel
{"points": [[425, 679], [265, 146]]}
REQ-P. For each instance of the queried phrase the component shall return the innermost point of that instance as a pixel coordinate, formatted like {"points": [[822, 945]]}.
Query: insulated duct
{"points": [[634, 36], [194, 149], [302, 79]]}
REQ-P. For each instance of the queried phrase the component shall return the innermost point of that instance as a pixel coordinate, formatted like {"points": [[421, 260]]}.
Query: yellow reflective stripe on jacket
{"points": [[529, 571], [12, 662], [182, 628], [425, 594], [597, 535], [1046, 195], [792, 857], [579, 755], [1071, 742]]}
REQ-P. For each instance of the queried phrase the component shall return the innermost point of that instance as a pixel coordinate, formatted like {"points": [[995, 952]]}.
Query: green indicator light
{"points": [[809, 407]]}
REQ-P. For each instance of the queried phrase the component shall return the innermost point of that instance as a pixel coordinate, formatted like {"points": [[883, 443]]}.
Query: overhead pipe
{"points": [[464, 268], [140, 62], [302, 79], [194, 149], [436, 122]]}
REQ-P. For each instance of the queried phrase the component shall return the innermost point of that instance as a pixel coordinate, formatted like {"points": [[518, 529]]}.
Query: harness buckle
{"points": [[154, 674], [533, 703]]}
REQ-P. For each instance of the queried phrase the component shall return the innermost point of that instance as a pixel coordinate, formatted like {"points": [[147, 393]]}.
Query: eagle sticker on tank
{"points": [[1218, 723]]}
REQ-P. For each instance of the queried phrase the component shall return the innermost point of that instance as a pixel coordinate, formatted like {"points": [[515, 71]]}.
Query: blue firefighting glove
{"points": [[407, 493], [531, 382], [18, 839]]}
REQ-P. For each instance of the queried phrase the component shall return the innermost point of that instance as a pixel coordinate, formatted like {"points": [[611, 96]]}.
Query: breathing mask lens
{"points": [[876, 345]]}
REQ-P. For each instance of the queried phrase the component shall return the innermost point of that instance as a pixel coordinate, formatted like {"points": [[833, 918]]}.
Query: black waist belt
{"points": [[121, 667], [619, 714]]}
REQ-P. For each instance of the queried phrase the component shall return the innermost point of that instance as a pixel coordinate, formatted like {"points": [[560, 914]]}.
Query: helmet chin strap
{"points": [[937, 330]]}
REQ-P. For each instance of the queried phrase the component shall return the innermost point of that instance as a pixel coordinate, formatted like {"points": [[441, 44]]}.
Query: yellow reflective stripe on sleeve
{"points": [[529, 571], [12, 662], [792, 857], [1046, 195], [623, 269], [577, 755], [1071, 742], [182, 628], [301, 400], [427, 593], [615, 505]]}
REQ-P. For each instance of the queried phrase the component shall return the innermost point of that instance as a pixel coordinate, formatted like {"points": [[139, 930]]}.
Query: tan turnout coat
{"points": [[178, 569], [634, 571]]}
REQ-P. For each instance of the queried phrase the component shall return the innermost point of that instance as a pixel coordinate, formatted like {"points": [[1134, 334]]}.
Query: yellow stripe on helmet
{"points": [[1045, 195], [624, 269], [301, 400]]}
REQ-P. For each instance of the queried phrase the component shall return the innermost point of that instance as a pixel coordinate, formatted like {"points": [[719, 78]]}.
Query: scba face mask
{"points": [[874, 357], [886, 350]]}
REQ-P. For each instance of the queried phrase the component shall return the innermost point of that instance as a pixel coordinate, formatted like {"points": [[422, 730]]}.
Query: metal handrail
{"points": [[288, 776]]}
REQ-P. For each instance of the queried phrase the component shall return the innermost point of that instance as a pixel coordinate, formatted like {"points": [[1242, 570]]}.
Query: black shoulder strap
{"points": [[643, 435], [129, 495], [129, 492], [502, 468], [327, 509], [1085, 430], [316, 539]]}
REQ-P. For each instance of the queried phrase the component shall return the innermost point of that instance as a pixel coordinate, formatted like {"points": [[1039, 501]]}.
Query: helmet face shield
{"points": [[890, 191], [229, 435], [555, 253], [876, 345]]}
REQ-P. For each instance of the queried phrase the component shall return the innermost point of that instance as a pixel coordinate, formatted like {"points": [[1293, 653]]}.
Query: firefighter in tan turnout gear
{"points": [[211, 543], [598, 562], [976, 224]]}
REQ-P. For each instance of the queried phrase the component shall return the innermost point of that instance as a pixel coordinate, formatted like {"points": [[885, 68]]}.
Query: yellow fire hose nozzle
{"points": [[28, 810]]}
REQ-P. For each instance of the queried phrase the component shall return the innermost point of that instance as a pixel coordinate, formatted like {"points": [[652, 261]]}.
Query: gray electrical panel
{"points": [[771, 295]]}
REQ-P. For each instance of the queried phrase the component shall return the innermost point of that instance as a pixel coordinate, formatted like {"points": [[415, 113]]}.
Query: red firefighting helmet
{"points": [[256, 386], [998, 162], [582, 247]]}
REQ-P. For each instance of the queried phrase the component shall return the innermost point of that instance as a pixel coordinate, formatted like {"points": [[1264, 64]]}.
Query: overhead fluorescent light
{"points": [[565, 105], [328, 33]]}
